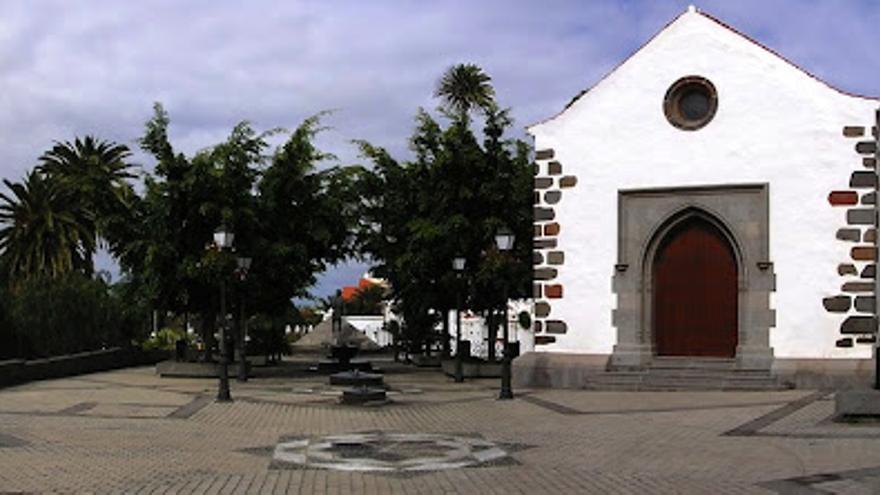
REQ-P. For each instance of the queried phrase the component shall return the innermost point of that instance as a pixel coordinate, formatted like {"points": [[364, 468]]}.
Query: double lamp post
{"points": [[223, 240], [504, 240]]}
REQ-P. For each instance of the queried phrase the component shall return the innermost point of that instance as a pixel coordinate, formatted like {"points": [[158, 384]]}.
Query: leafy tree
{"points": [[97, 176], [463, 88], [367, 300], [291, 218], [449, 201], [42, 233], [66, 314]]}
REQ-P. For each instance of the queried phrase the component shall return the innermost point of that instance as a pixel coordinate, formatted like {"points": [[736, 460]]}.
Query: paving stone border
{"points": [[387, 452]]}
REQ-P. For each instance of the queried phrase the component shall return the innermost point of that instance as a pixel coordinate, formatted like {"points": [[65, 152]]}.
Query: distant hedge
{"points": [[54, 316]]}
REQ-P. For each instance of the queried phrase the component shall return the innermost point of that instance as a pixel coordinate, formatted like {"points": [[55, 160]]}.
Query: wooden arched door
{"points": [[695, 292]]}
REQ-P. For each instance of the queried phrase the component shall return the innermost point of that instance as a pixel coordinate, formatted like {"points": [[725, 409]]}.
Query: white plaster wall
{"points": [[475, 329], [774, 124], [373, 327]]}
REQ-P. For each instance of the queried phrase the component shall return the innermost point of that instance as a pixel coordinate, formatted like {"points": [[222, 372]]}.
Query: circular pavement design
{"points": [[380, 451]]}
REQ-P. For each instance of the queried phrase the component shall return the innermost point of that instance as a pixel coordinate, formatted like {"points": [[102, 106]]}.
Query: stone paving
{"points": [[129, 431]]}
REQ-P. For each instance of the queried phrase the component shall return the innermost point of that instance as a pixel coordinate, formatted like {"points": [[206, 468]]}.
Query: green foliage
{"points": [[290, 218], [166, 339], [42, 234], [525, 320], [450, 201], [97, 176], [464, 87], [367, 300], [67, 314], [267, 335]]}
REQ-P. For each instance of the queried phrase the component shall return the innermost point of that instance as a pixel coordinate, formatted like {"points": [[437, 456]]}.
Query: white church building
{"points": [[683, 217]]}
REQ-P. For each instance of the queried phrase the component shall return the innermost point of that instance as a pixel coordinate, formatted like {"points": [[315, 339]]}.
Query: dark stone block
{"points": [[869, 198], [843, 198], [544, 154], [553, 291], [853, 131], [536, 170], [858, 325], [536, 291], [555, 326], [862, 178], [837, 304], [543, 182], [538, 326], [549, 214], [870, 271], [853, 235], [860, 216], [846, 269], [545, 274], [870, 235], [568, 181], [544, 339], [551, 229], [542, 310], [555, 258], [844, 342], [869, 162], [544, 243], [554, 168], [552, 197], [537, 258], [537, 230], [537, 198], [858, 287], [866, 147], [862, 253], [865, 304]]}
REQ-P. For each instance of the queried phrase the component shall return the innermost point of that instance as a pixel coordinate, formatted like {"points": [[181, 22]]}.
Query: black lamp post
{"points": [[504, 240], [223, 240], [458, 266], [244, 264]]}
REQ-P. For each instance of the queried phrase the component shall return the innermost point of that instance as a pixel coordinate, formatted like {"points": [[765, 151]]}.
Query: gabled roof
{"points": [[691, 10]]}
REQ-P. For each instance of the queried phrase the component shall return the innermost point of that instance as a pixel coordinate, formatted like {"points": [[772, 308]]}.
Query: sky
{"points": [[71, 68]]}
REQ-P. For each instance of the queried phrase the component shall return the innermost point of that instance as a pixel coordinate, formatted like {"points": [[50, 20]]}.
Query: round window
{"points": [[690, 103]]}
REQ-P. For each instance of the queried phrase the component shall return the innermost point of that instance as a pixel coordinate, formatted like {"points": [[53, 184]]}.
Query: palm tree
{"points": [[97, 174], [41, 234], [463, 88]]}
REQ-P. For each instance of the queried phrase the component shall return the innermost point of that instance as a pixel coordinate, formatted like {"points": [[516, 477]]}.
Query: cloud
{"points": [[71, 68]]}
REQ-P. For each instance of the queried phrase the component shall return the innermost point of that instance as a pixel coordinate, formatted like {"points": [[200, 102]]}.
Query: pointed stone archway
{"points": [[734, 219]]}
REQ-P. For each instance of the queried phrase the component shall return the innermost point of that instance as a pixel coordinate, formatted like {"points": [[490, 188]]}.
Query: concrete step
{"points": [[685, 379], [653, 382], [666, 362]]}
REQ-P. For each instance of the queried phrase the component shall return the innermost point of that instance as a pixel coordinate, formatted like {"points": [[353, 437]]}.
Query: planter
{"points": [[473, 369]]}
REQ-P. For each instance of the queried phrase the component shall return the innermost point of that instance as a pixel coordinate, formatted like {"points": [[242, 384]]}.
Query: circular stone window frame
{"points": [[679, 89]]}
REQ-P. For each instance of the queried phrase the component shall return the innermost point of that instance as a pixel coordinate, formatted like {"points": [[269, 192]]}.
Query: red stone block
{"points": [[862, 253], [843, 198], [553, 291]]}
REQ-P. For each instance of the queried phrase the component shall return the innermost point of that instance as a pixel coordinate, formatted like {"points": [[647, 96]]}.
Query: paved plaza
{"points": [[129, 431]]}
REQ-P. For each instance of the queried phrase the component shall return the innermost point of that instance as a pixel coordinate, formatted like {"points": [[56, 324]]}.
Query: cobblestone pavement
{"points": [[129, 431]]}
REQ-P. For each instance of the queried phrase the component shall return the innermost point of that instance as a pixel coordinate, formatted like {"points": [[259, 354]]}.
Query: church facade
{"points": [[682, 211]]}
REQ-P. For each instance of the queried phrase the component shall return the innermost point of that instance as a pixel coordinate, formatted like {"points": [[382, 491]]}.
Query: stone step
{"points": [[692, 363], [685, 372], [672, 380], [712, 385]]}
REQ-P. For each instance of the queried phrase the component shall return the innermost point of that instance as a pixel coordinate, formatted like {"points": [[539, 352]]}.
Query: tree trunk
{"points": [[209, 325], [446, 346], [493, 334]]}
